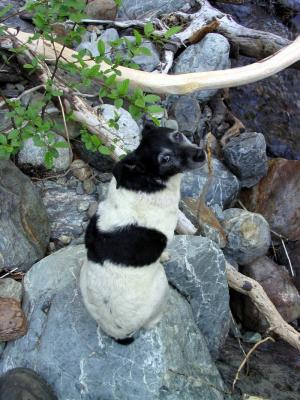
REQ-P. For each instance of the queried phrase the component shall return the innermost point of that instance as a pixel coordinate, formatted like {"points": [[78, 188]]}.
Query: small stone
{"points": [[246, 157], [89, 186], [52, 247], [83, 206], [101, 9], [102, 190], [35, 155], [81, 170], [65, 239], [92, 209], [187, 113], [90, 41], [251, 337], [13, 323], [79, 188], [248, 235], [170, 123], [10, 289]]}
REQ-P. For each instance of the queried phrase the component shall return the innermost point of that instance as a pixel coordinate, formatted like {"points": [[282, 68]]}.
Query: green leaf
{"points": [[151, 98], [95, 140], [172, 31], [155, 109], [3, 139], [138, 37], [104, 150], [123, 87], [142, 51], [148, 28], [140, 103], [101, 47], [118, 103], [60, 145], [49, 160]]}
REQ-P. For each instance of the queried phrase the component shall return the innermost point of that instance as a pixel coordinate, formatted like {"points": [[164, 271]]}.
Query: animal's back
{"points": [[123, 299]]}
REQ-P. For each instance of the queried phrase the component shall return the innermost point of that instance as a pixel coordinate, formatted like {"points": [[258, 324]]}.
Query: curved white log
{"points": [[182, 83]]}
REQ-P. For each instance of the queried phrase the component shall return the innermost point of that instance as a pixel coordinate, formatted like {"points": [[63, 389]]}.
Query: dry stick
{"points": [[247, 358], [28, 91], [248, 286], [182, 83]]}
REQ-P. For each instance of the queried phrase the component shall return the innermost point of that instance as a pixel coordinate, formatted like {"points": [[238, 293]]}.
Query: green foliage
{"points": [[31, 121]]}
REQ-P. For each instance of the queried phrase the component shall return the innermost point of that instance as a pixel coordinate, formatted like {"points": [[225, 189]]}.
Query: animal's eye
{"points": [[178, 137], [165, 159]]}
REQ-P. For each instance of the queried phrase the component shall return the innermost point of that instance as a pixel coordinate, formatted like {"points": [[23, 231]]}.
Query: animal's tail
{"points": [[126, 341]]}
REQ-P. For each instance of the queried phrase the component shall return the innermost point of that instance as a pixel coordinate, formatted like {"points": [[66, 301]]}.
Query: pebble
{"points": [[83, 206]]}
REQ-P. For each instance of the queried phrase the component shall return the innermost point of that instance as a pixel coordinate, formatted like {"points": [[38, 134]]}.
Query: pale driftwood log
{"points": [[248, 286], [182, 83]]}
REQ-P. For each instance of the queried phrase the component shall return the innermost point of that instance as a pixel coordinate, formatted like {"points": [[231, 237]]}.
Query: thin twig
{"points": [[28, 91], [8, 273], [247, 357], [288, 258], [64, 121]]}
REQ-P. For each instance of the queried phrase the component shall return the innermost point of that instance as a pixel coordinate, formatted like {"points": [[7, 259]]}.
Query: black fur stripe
{"points": [[130, 245]]}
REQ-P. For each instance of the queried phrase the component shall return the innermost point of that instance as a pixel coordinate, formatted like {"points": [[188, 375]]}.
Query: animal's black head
{"points": [[161, 154]]}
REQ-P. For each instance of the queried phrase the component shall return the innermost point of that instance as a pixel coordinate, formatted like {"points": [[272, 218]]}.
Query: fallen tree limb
{"points": [[182, 83], [249, 287]]}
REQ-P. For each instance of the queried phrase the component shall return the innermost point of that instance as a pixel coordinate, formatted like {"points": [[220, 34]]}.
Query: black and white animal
{"points": [[123, 284]]}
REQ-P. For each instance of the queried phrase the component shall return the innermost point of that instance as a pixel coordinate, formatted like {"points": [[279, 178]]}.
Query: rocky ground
{"points": [[251, 219]]}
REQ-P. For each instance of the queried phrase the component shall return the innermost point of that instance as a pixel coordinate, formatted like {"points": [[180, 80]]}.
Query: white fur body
{"points": [[123, 299]]}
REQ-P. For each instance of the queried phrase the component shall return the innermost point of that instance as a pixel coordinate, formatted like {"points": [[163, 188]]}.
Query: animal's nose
{"points": [[199, 155]]}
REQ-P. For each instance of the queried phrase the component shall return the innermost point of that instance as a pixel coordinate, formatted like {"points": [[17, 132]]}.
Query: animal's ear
{"points": [[148, 128], [123, 167]]}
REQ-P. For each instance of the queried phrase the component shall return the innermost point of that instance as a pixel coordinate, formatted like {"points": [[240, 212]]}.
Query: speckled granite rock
{"points": [[66, 208], [248, 235], [65, 346], [222, 190], [210, 54], [24, 227], [246, 157], [197, 270]]}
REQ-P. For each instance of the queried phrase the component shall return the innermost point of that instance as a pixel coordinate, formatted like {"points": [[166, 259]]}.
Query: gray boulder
{"points": [[35, 155], [10, 289], [24, 227], [66, 208], [248, 235], [246, 157], [210, 54], [148, 8], [197, 270], [223, 188], [67, 348]]}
